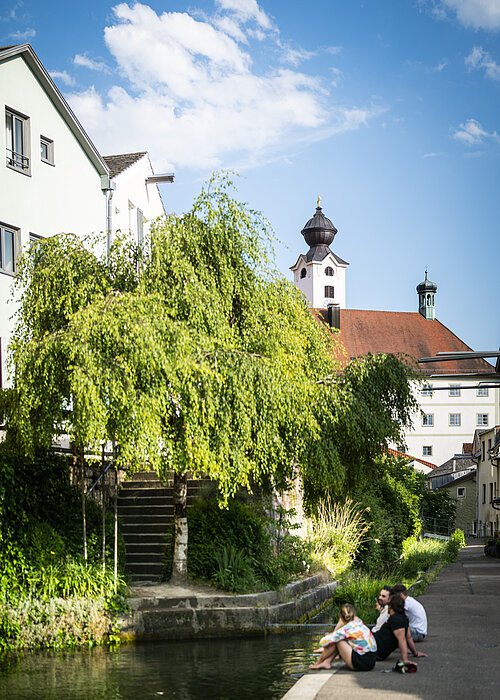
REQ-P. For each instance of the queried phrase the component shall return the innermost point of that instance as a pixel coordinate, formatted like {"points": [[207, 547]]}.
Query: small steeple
{"points": [[426, 291]]}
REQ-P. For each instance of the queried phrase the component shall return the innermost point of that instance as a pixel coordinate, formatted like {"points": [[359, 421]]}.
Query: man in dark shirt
{"points": [[396, 632]]}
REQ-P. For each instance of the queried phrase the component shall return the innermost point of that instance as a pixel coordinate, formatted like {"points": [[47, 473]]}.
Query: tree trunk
{"points": [[179, 565]]}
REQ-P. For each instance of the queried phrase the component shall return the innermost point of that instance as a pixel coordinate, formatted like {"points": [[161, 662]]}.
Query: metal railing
{"points": [[17, 160]]}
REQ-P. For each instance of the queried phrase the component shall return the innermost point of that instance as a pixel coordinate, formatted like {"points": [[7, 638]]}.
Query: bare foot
{"points": [[321, 664]]}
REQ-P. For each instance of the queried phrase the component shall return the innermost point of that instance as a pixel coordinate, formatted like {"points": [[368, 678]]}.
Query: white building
{"points": [[457, 396], [53, 179], [486, 449]]}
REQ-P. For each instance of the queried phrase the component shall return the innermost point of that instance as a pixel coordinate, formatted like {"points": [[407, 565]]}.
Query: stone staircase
{"points": [[146, 513]]}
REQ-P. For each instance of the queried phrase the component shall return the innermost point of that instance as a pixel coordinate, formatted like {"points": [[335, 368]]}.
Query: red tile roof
{"points": [[396, 453], [406, 333]]}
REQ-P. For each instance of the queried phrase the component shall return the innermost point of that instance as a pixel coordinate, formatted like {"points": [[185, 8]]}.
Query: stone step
{"points": [[149, 493], [134, 548], [146, 557], [146, 509], [153, 569], [147, 528], [144, 539]]}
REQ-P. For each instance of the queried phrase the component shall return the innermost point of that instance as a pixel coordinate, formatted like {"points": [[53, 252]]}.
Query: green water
{"points": [[261, 668]]}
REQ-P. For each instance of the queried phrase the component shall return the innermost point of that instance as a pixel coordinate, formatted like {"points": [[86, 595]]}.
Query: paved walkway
{"points": [[463, 607]]}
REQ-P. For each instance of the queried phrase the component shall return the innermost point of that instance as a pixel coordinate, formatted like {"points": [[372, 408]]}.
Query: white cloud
{"points": [[63, 76], [11, 15], [83, 61], [191, 94], [440, 66], [478, 14], [478, 58], [23, 36], [246, 11], [472, 133], [295, 56]]}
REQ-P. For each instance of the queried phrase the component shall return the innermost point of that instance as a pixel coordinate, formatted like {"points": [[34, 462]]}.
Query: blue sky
{"points": [[387, 108]]}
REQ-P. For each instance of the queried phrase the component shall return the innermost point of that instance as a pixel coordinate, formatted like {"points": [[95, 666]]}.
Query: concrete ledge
{"points": [[218, 616], [308, 686]]}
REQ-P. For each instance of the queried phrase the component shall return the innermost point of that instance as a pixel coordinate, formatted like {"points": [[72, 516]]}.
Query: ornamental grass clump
{"points": [[337, 530]]}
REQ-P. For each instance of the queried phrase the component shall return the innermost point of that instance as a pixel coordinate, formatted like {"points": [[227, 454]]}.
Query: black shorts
{"points": [[363, 662]]}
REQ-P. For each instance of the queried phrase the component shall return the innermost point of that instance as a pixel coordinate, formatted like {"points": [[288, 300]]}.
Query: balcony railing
{"points": [[17, 160]]}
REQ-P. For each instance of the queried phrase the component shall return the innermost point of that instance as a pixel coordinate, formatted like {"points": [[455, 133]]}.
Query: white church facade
{"points": [[455, 398]]}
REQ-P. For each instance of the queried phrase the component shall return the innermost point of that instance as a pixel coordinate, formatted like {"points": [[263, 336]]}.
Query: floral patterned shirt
{"points": [[356, 633]]}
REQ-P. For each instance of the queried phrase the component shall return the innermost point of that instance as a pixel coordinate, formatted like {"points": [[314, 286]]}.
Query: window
{"points": [[428, 419], [329, 292], [484, 493], [47, 150], [491, 491], [461, 491], [482, 419], [454, 390], [140, 226], [34, 238], [303, 273], [454, 419], [8, 239], [18, 141], [329, 271], [427, 390], [427, 450], [483, 451], [482, 391]]}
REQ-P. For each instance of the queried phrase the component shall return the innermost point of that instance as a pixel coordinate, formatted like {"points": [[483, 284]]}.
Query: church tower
{"points": [[320, 274], [426, 291]]}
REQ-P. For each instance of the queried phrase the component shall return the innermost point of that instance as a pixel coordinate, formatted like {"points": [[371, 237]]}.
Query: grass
{"points": [[420, 563]]}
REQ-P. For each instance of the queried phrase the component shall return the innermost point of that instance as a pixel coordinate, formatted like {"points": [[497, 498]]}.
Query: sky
{"points": [[389, 109]]}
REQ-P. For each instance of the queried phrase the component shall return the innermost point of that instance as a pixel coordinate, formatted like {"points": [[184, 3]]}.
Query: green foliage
{"points": [[440, 505], [233, 547], [392, 503], [457, 542], [54, 623], [337, 532], [234, 571]]}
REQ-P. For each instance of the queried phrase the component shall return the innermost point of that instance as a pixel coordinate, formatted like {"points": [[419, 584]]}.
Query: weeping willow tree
{"points": [[191, 354]]}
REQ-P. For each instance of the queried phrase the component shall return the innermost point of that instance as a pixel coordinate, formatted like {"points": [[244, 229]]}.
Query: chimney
{"points": [[333, 315]]}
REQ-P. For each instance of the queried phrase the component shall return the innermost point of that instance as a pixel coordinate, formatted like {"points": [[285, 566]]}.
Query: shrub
{"points": [[337, 532], [457, 542]]}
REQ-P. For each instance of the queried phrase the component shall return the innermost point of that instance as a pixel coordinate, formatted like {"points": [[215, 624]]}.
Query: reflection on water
{"points": [[213, 669]]}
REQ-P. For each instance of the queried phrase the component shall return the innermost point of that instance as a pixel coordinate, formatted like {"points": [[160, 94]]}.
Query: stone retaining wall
{"points": [[220, 616]]}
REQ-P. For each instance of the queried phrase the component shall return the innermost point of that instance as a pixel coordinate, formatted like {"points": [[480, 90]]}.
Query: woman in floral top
{"points": [[351, 640]]}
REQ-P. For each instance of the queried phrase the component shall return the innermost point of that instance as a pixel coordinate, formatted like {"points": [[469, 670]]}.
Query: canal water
{"points": [[259, 668]]}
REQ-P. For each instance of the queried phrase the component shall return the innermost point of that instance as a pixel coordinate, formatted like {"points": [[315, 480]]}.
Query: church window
{"points": [[303, 273], [329, 271], [329, 292]]}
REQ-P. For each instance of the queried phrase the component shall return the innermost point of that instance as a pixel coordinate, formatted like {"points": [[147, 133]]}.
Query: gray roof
{"points": [[120, 162], [457, 463]]}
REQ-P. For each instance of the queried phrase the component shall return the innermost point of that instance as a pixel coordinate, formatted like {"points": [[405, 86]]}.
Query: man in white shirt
{"points": [[415, 612], [382, 605]]}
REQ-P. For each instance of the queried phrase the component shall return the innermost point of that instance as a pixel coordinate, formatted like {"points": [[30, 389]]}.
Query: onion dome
{"points": [[426, 286], [319, 230]]}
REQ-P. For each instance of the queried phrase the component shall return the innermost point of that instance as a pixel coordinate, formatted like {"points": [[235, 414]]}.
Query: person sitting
{"points": [[395, 633], [415, 613], [382, 605], [351, 640]]}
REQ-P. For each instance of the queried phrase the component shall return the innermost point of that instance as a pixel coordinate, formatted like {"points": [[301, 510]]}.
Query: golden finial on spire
{"points": [[319, 201]]}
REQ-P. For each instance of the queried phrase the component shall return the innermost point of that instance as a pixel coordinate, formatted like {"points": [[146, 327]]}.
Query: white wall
{"points": [[313, 285], [488, 476], [66, 196], [131, 194], [444, 439]]}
